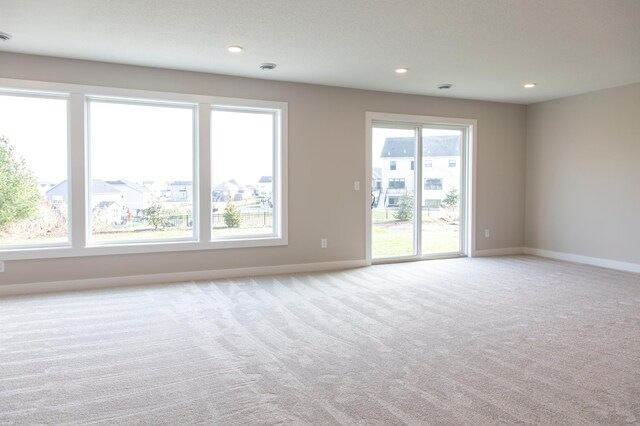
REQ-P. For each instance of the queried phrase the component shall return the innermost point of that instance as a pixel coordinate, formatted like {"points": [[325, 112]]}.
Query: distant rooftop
{"points": [[128, 183], [97, 187]]}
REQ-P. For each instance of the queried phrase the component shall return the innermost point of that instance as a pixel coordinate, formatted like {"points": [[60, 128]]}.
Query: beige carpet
{"points": [[513, 340]]}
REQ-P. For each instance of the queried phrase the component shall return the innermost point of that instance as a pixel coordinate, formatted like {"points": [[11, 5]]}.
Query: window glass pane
{"points": [[242, 172], [33, 171], [141, 172], [441, 191]]}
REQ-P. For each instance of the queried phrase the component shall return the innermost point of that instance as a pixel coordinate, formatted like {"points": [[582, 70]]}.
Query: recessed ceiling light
{"points": [[529, 85], [5, 36], [402, 70], [235, 49]]}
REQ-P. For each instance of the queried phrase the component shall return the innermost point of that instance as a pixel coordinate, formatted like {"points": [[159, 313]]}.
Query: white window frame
{"points": [[194, 177], [78, 174], [468, 241], [278, 189], [48, 94]]}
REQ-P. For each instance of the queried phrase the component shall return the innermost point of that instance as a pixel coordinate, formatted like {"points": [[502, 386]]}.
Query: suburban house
{"points": [[441, 162], [101, 192], [180, 191], [111, 211], [265, 186], [334, 301], [134, 196]]}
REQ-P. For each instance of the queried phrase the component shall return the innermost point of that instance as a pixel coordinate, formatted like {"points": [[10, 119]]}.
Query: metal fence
{"points": [[252, 219], [247, 220]]}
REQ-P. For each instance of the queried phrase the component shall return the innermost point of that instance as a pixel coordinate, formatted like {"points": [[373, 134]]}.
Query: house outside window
{"points": [[392, 165]]}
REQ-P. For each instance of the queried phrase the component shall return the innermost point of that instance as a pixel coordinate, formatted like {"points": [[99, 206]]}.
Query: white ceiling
{"points": [[486, 48]]}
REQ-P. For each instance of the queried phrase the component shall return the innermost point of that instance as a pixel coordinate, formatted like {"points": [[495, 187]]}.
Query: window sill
{"points": [[139, 248]]}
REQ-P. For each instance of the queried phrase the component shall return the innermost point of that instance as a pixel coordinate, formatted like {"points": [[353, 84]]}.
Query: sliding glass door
{"points": [[418, 185]]}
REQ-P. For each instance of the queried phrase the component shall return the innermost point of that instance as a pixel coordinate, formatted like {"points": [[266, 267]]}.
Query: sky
{"points": [[37, 130], [137, 142]]}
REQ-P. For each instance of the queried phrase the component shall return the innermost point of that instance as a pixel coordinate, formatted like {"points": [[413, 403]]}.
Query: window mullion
{"points": [[78, 163], [204, 171]]}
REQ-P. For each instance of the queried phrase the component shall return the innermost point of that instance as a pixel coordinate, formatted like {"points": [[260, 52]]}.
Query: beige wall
{"points": [[326, 154], [583, 175]]}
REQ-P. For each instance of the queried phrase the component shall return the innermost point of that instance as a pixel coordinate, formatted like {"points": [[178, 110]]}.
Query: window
{"points": [[34, 185], [412, 164], [433, 184], [244, 193], [392, 165], [397, 183], [116, 171], [131, 142], [428, 163], [432, 204], [452, 163]]}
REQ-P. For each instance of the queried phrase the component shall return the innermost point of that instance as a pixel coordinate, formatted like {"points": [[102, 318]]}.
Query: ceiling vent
{"points": [[445, 86], [267, 66]]}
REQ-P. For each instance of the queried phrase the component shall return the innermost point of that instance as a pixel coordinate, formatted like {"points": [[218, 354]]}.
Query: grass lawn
{"points": [[396, 239]]}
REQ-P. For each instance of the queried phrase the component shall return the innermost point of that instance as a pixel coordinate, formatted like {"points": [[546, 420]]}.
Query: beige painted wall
{"points": [[326, 154], [583, 175]]}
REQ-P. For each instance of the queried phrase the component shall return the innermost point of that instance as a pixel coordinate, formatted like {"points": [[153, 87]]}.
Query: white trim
{"points": [[468, 247], [586, 260], [507, 251], [173, 277]]}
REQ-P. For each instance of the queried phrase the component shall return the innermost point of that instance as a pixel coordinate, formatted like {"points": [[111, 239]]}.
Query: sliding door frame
{"points": [[468, 176]]}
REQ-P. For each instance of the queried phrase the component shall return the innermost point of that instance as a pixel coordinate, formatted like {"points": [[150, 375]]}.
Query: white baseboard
{"points": [[499, 252], [586, 260], [173, 277]]}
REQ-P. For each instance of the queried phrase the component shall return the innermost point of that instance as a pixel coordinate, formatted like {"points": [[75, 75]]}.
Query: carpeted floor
{"points": [[512, 340]]}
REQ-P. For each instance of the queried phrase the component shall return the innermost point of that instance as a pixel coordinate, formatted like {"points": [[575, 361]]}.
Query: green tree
{"points": [[405, 209], [451, 199], [155, 214], [19, 193], [232, 216]]}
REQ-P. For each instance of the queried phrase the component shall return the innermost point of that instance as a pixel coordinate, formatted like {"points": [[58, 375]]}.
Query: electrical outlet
{"points": [[356, 185], [487, 233], [1, 265], [323, 243]]}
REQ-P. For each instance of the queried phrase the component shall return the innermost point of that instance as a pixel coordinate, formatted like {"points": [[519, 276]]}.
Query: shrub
{"points": [[231, 216]]}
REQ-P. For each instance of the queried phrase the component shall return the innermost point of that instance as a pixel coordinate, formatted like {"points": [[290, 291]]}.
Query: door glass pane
{"points": [[441, 178], [392, 198], [141, 172], [33, 171]]}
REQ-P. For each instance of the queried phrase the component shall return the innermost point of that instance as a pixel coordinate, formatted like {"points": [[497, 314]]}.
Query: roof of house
{"points": [[105, 204], [265, 179], [433, 146], [180, 183], [128, 183], [97, 187], [101, 187]]}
